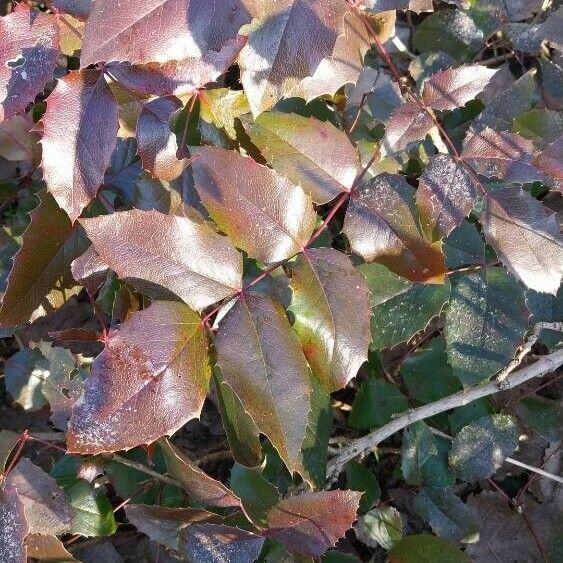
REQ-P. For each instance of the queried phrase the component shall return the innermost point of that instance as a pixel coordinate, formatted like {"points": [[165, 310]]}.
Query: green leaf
{"points": [[548, 308], [451, 31], [542, 126], [481, 447], [542, 415], [380, 526], [261, 360], [258, 495], [485, 323], [418, 446], [400, 308], [93, 514], [315, 445], [313, 154], [334, 556], [427, 374], [242, 434], [423, 548], [462, 416], [8, 441], [464, 247], [449, 517], [25, 373], [330, 304], [360, 478], [375, 404]]}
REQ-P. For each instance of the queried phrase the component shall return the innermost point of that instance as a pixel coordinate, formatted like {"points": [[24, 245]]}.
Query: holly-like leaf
{"points": [[409, 123], [449, 516], [286, 43], [216, 543], [313, 154], [262, 212], [200, 487], [18, 140], [93, 515], [159, 30], [49, 245], [385, 5], [151, 378], [526, 237], [187, 258], [162, 524], [399, 307], [25, 372], [501, 155], [14, 527], [481, 447], [80, 131], [382, 225], [380, 526], [454, 87], [445, 195], [485, 323], [311, 523], [176, 77], [550, 162], [157, 143], [332, 315], [426, 548], [28, 55], [253, 337], [46, 506]]}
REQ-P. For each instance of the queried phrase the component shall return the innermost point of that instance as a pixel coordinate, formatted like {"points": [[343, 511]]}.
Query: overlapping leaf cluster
{"points": [[252, 200]]}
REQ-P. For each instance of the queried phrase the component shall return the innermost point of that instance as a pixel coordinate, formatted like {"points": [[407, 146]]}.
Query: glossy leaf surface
{"points": [[252, 338], [313, 154], [526, 237], [262, 212], [80, 129], [311, 523], [382, 225], [143, 386], [409, 123], [331, 308], [28, 55], [187, 258]]}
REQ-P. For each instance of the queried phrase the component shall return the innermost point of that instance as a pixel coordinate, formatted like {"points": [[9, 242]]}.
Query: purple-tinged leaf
{"points": [[79, 9], [80, 133], [176, 77], [47, 509], [157, 143], [526, 237], [187, 258], [28, 56], [550, 162], [381, 224], [89, 270], [262, 212], [19, 141], [151, 378], [144, 31], [409, 123], [162, 524], [454, 87], [311, 523], [445, 195], [261, 360], [332, 315], [199, 486], [14, 527], [216, 543], [50, 243], [502, 155], [311, 153], [8, 441], [287, 41]]}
